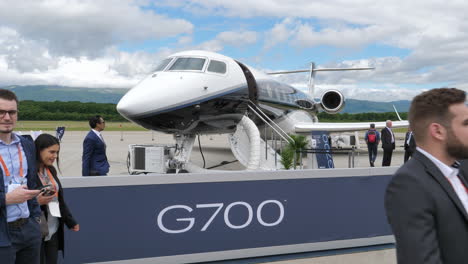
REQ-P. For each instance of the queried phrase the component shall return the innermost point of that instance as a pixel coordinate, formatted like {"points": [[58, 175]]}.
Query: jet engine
{"points": [[332, 101]]}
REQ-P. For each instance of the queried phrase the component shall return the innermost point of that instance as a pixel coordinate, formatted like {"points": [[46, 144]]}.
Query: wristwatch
{"points": [[38, 219]]}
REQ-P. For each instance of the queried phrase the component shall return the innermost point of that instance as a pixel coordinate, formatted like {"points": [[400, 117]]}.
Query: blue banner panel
{"points": [[142, 221], [324, 160]]}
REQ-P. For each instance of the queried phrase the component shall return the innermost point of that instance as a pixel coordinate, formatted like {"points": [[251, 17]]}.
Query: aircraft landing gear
{"points": [[184, 145]]}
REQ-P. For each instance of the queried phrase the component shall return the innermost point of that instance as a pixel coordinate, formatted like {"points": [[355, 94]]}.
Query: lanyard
{"points": [[51, 179], [5, 168]]}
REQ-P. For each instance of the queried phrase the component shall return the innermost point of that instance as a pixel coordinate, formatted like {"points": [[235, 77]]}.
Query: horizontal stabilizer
{"points": [[344, 127], [321, 69]]}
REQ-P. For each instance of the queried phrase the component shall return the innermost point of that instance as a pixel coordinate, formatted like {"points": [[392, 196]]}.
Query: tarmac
{"points": [[216, 150]]}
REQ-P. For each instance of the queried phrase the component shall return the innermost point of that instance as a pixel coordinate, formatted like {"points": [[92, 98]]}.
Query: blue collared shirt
{"points": [[9, 153]]}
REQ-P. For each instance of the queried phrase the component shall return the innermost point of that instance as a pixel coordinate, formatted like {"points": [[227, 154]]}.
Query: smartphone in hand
{"points": [[43, 188], [48, 192]]}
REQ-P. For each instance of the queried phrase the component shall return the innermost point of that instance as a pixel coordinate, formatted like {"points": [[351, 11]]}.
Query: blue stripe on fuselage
{"points": [[177, 107], [268, 91]]}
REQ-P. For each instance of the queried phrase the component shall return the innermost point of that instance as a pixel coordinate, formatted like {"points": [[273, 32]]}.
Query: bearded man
{"points": [[427, 199]]}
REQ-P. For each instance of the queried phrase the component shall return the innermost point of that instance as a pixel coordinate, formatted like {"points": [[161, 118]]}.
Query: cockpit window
{"points": [[217, 66], [188, 64], [163, 64]]}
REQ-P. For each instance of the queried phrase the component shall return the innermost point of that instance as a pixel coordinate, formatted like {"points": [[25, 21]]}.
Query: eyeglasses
{"points": [[12, 113]]}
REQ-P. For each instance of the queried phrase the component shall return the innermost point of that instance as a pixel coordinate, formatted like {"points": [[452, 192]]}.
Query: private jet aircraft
{"points": [[200, 92]]}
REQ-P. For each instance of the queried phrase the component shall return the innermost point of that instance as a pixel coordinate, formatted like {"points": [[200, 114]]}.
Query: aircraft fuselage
{"points": [[204, 92]]}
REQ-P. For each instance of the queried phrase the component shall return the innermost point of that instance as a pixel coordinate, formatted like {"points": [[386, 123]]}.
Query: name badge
{"points": [[54, 208]]}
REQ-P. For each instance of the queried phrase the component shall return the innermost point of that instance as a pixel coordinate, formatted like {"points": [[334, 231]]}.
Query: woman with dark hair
{"points": [[51, 199]]}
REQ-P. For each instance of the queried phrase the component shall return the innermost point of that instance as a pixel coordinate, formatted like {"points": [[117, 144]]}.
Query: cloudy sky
{"points": [[414, 45]]}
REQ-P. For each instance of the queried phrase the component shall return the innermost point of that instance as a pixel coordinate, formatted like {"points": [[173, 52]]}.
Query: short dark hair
{"points": [[42, 142], [8, 95], [94, 120], [372, 125], [433, 106]]}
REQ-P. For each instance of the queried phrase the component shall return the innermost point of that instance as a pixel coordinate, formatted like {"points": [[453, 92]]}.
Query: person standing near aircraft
{"points": [[20, 234], [372, 139], [410, 144], [94, 161], [388, 143], [427, 199], [52, 202]]}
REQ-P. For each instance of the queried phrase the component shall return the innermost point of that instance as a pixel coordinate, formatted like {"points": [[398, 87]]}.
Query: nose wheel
{"points": [[184, 145]]}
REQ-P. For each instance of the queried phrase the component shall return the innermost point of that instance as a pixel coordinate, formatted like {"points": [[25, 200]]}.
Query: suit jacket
{"points": [[94, 160], [428, 220], [66, 216], [386, 137], [411, 147], [34, 210]]}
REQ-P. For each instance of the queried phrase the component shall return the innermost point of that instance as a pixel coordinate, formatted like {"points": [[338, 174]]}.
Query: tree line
{"points": [[69, 111], [78, 111]]}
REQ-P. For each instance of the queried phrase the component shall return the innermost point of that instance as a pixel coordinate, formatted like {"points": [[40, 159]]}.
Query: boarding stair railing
{"points": [[276, 133]]}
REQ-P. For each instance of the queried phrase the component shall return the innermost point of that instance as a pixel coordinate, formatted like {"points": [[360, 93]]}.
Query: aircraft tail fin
{"points": [[312, 70], [398, 115]]}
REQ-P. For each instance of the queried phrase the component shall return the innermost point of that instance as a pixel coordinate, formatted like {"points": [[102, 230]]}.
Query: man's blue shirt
{"points": [[9, 153]]}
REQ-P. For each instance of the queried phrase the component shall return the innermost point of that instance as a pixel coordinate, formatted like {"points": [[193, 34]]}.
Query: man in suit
{"points": [[427, 199], [410, 144], [20, 234], [94, 162], [388, 143]]}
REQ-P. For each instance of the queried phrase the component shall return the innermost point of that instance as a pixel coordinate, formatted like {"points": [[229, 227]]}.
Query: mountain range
{"points": [[50, 93]]}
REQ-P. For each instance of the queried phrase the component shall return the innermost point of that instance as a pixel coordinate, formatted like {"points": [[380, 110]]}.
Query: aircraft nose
{"points": [[148, 96], [167, 91], [127, 105]]}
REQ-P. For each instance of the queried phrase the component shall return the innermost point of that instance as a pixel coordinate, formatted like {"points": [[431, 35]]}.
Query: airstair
{"points": [[247, 139]]}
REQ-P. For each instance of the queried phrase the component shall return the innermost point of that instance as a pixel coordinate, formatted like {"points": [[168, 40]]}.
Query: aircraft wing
{"points": [[344, 127]]}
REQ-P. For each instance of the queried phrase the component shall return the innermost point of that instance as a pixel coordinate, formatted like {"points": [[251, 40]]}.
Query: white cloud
{"points": [[86, 27], [281, 32], [233, 38], [74, 42], [433, 32], [238, 38], [344, 37], [71, 72], [113, 69], [185, 40], [80, 42], [386, 83]]}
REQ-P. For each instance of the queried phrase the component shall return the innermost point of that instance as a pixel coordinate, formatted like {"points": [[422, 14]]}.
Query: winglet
{"points": [[398, 115]]}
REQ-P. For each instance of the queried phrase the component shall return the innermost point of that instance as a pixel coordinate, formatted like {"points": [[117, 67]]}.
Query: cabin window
{"points": [[217, 66], [188, 64], [163, 64]]}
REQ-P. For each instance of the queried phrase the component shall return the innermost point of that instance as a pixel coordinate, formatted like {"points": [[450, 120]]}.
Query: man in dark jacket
{"points": [[388, 143], [20, 234], [94, 162], [410, 144], [427, 199]]}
